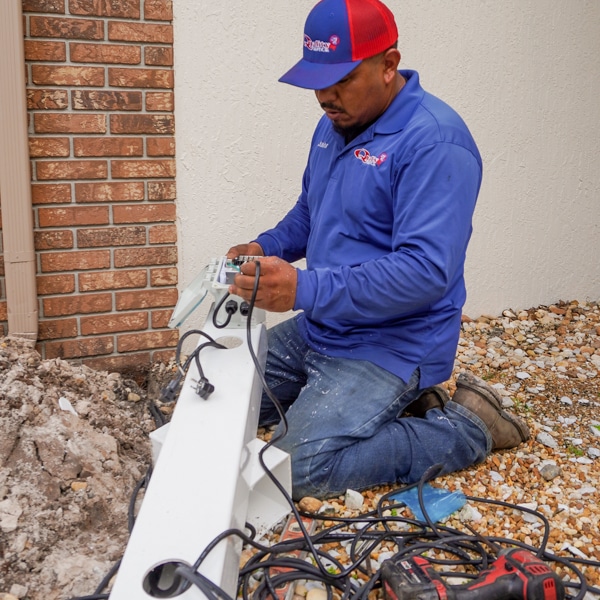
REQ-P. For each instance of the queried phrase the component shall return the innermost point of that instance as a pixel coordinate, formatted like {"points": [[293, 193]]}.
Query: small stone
{"points": [[566, 400], [18, 590], [316, 594], [310, 505], [353, 500], [469, 513], [546, 439], [593, 453], [77, 486], [549, 472], [133, 397]]}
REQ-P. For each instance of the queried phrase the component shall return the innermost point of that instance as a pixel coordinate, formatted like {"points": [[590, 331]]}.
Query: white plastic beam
{"points": [[206, 478]]}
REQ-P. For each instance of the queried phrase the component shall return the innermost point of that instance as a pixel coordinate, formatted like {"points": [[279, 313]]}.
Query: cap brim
{"points": [[317, 76]]}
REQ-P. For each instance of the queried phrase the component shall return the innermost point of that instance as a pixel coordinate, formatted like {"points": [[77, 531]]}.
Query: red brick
{"points": [[140, 78], [109, 192], [79, 348], [147, 341], [127, 9], [111, 236], [73, 216], [158, 10], [164, 356], [57, 27], [161, 318], [53, 240], [136, 300], [47, 99], [158, 56], [78, 304], [54, 51], [162, 190], [112, 323], [67, 75], [55, 284], [159, 146], [123, 363], [108, 146], [44, 6], [69, 123], [49, 146], [163, 277], [119, 31], [112, 280], [129, 169], [144, 213], [104, 100], [50, 193], [57, 328], [160, 101], [139, 257], [153, 124], [3, 312], [105, 53], [163, 234], [72, 169], [53, 262]]}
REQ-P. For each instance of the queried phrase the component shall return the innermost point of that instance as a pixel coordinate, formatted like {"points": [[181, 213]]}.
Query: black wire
{"points": [[143, 483], [273, 568], [216, 309], [106, 579]]}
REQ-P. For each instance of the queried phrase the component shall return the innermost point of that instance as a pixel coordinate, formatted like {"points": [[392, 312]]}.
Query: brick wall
{"points": [[101, 131]]}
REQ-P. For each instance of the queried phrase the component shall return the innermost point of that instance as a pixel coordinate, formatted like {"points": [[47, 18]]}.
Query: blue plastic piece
{"points": [[439, 503]]}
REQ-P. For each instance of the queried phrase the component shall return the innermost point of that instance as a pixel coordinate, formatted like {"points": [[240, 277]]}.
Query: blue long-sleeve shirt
{"points": [[384, 224]]}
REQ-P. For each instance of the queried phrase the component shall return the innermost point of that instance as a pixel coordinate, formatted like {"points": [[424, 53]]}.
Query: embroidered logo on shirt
{"points": [[321, 46], [366, 157], [322, 145]]}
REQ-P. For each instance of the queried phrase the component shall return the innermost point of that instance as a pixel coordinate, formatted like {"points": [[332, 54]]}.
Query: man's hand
{"points": [[251, 249], [276, 286]]}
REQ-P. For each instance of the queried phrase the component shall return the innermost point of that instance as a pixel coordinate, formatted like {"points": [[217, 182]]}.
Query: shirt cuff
{"points": [[305, 290]]}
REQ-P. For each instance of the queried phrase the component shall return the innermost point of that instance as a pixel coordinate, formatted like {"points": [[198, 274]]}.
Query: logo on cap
{"points": [[321, 46]]}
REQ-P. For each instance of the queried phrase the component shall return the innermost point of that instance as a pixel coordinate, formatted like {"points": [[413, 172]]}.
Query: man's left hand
{"points": [[276, 287]]}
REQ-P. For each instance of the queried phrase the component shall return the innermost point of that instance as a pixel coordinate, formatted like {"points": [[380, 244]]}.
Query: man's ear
{"points": [[391, 60]]}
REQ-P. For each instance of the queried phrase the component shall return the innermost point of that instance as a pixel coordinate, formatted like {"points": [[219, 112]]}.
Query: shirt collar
{"points": [[402, 107]]}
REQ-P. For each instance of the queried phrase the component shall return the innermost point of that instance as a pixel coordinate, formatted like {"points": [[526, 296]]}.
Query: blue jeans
{"points": [[344, 425]]}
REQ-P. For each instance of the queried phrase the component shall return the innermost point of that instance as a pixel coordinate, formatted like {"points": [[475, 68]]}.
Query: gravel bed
{"points": [[545, 363]]}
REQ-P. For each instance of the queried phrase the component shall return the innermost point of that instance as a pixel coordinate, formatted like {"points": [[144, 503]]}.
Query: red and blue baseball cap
{"points": [[338, 35]]}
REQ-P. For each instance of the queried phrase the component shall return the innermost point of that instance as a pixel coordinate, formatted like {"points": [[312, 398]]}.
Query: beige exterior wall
{"points": [[524, 75]]}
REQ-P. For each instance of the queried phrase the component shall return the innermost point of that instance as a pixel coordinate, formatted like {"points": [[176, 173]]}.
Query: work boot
{"points": [[507, 430], [432, 397]]}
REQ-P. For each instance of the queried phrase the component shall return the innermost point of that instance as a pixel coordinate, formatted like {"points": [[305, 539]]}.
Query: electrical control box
{"points": [[216, 277]]}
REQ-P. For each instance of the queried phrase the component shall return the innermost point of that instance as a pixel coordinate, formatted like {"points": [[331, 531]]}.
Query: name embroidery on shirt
{"points": [[368, 159], [322, 145]]}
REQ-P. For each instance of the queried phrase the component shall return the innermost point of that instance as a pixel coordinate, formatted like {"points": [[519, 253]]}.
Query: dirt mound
{"points": [[73, 444]]}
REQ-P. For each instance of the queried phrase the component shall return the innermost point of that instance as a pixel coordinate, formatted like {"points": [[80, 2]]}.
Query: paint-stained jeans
{"points": [[344, 429]]}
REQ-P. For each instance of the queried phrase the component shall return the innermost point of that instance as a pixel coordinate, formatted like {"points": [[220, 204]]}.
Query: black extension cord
{"points": [[273, 567]]}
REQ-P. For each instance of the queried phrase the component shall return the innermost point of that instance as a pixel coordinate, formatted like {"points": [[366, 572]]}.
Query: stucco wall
{"points": [[524, 75]]}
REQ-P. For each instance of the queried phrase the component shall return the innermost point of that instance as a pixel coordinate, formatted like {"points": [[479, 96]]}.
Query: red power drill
{"points": [[515, 575]]}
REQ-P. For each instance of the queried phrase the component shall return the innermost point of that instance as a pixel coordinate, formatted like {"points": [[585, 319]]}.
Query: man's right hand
{"points": [[251, 249]]}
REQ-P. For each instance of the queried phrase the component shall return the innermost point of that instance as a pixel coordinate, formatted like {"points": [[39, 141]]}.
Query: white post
{"points": [[204, 476]]}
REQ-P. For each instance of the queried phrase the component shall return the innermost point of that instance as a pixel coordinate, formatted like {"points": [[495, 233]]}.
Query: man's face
{"points": [[358, 99]]}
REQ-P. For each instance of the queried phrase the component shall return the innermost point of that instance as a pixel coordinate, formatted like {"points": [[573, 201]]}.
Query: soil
{"points": [[73, 444]]}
